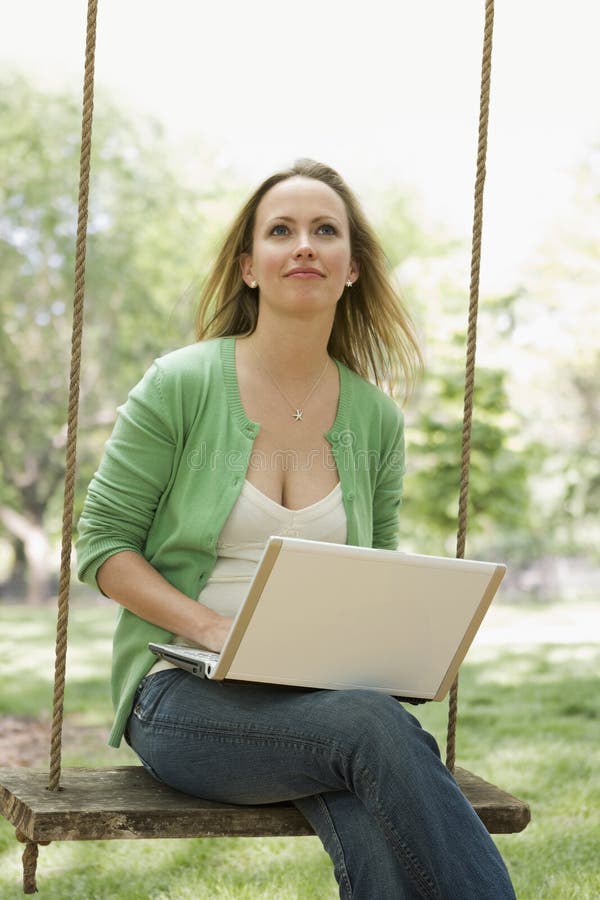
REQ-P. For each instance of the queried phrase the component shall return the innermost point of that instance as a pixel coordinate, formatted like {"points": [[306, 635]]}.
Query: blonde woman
{"points": [[275, 422]]}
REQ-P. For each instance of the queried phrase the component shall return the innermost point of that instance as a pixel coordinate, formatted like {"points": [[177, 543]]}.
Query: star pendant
{"points": [[298, 415]]}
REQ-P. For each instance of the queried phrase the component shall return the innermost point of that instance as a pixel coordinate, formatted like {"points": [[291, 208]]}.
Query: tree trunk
{"points": [[37, 551]]}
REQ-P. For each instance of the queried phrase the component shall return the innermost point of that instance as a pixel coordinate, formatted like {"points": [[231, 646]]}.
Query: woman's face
{"points": [[301, 257]]}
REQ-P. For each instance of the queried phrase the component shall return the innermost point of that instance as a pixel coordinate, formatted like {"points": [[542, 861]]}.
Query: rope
{"points": [[71, 453], [484, 108], [30, 855]]}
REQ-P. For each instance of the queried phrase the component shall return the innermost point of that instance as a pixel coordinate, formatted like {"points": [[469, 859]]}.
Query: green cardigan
{"points": [[174, 468]]}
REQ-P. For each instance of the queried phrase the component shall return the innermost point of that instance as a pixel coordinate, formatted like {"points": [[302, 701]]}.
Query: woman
{"points": [[260, 428]]}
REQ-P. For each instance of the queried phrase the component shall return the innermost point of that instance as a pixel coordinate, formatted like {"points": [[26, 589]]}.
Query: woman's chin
{"points": [[298, 304]]}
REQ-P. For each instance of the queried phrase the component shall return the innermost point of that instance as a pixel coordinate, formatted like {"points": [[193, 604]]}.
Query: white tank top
{"points": [[253, 519]]}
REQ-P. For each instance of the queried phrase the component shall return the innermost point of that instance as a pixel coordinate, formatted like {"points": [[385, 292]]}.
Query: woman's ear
{"points": [[246, 267], [354, 270]]}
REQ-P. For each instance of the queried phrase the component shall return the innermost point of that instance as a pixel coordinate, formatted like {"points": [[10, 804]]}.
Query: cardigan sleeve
{"points": [[388, 487], [135, 469]]}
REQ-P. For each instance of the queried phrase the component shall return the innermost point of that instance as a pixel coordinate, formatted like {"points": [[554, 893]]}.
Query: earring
{"points": [[253, 284], [349, 283]]}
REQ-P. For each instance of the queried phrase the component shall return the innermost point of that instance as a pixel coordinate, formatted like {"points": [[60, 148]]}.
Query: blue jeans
{"points": [[360, 768]]}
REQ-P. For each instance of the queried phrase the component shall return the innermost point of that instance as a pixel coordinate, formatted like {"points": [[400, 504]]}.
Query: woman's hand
{"points": [[215, 634]]}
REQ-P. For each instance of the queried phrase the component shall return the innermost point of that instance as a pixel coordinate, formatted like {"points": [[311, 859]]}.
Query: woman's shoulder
{"points": [[371, 398], [188, 376], [192, 358]]}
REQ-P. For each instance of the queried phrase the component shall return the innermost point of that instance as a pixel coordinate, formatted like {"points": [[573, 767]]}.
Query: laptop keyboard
{"points": [[192, 653]]}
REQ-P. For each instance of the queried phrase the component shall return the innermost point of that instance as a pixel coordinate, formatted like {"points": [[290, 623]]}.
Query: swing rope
{"points": [[71, 453], [31, 849], [461, 537], [30, 854]]}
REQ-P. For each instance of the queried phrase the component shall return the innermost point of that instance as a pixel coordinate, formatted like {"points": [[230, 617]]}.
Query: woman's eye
{"points": [[279, 229], [327, 229]]}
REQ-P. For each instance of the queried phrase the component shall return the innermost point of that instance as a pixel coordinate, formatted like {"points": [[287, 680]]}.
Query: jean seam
{"points": [[208, 728], [344, 875], [151, 690], [423, 882], [243, 738]]}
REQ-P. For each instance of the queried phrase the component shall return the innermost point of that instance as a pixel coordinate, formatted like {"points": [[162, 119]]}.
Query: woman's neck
{"points": [[296, 355]]}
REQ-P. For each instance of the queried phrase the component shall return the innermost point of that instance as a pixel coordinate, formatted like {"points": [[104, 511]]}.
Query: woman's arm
{"points": [[130, 580], [121, 506]]}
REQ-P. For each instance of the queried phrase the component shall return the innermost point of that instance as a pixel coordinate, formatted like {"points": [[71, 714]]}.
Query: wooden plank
{"points": [[125, 803], [500, 812]]}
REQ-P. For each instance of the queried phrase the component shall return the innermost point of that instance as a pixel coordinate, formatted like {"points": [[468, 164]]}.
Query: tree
{"points": [[149, 235], [498, 491], [432, 273], [554, 332]]}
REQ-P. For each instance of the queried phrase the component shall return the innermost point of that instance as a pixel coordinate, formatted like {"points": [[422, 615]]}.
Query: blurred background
{"points": [[193, 108]]}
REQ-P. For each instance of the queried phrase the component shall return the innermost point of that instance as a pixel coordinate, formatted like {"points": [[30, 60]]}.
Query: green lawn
{"points": [[528, 721]]}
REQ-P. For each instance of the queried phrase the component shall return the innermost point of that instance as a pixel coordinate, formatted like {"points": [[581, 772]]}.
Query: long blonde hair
{"points": [[372, 332]]}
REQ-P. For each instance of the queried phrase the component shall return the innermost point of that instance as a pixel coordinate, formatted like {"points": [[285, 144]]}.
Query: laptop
{"points": [[334, 616]]}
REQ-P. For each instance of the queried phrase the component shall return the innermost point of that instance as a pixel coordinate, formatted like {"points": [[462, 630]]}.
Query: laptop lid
{"points": [[335, 616]]}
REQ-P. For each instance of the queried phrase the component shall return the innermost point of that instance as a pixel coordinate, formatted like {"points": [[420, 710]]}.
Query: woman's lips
{"points": [[304, 273]]}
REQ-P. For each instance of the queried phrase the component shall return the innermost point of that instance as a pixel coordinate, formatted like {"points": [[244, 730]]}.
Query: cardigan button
{"points": [[350, 495]]}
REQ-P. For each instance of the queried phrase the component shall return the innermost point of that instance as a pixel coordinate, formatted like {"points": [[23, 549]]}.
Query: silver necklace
{"points": [[297, 410]]}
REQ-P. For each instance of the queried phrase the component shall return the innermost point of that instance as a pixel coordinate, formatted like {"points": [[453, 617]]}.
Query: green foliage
{"points": [[498, 489], [555, 334], [430, 267]]}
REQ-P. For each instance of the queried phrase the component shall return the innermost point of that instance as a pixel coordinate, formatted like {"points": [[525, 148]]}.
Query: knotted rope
{"points": [[73, 408], [484, 108], [30, 855], [31, 850]]}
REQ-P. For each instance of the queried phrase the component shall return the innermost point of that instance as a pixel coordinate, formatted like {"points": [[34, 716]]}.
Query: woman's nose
{"points": [[304, 249]]}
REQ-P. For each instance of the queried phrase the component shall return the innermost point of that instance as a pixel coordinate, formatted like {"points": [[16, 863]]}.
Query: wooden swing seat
{"points": [[126, 803]]}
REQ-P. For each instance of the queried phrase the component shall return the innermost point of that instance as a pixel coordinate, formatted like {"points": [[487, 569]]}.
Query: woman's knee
{"points": [[374, 716]]}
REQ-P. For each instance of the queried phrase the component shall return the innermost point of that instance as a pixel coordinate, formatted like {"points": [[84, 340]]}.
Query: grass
{"points": [[528, 720]]}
